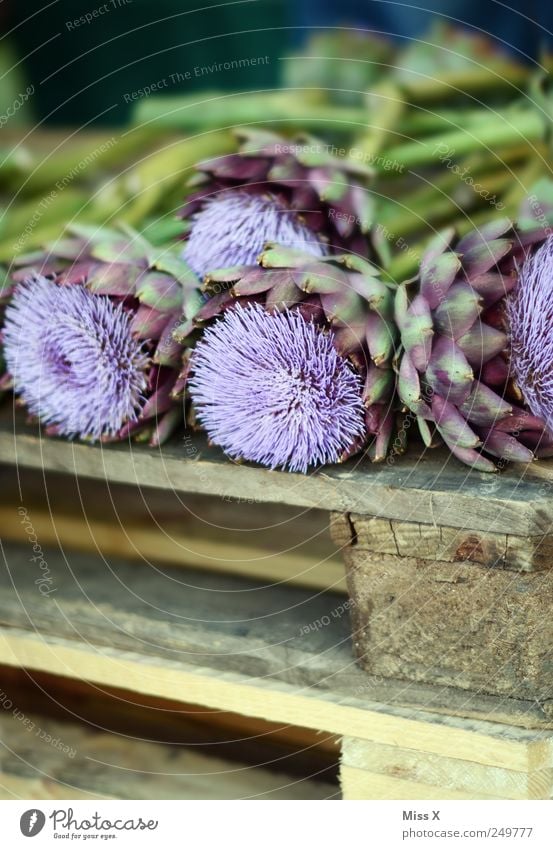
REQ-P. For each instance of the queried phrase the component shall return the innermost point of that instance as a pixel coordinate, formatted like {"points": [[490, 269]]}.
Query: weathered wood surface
{"points": [[372, 770], [457, 624], [283, 654], [483, 742], [83, 763], [289, 749], [445, 544], [433, 488], [269, 542]]}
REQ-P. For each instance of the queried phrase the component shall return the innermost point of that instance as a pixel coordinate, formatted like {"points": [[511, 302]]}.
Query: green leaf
{"points": [[119, 250], [177, 267], [278, 256], [160, 291]]}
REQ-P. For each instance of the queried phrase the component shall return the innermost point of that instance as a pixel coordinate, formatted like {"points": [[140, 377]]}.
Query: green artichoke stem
{"points": [[425, 88], [215, 110], [77, 160], [385, 107], [425, 120], [528, 174], [530, 127], [440, 201]]}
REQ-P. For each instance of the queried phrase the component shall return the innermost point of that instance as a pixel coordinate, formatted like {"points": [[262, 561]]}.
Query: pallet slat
{"points": [[278, 633], [108, 766], [395, 769], [442, 543], [432, 488], [121, 636]]}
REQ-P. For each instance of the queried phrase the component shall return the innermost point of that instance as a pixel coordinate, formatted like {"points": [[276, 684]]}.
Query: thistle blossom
{"points": [[73, 359], [233, 227], [273, 389], [530, 315]]}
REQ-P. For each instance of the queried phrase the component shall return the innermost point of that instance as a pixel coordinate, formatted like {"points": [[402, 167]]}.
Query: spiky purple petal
{"points": [[233, 227], [73, 359], [530, 314], [273, 389]]}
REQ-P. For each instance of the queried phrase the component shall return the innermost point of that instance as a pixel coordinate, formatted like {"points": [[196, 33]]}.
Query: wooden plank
{"points": [[16, 787], [483, 742], [432, 488], [183, 545], [268, 542], [357, 784], [292, 750], [110, 766], [230, 624], [449, 774], [458, 624], [447, 544], [224, 621]]}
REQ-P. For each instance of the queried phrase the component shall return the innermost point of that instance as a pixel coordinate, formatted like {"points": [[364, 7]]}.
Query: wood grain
{"points": [[108, 766], [423, 770], [240, 647], [445, 544], [281, 633], [433, 488], [483, 742], [357, 784], [268, 542], [458, 624]]}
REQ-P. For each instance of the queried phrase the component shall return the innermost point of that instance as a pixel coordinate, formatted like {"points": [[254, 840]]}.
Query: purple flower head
{"points": [[273, 389], [233, 227], [530, 315], [73, 359]]}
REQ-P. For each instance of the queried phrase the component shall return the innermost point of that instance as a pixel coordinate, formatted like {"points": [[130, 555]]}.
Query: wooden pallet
{"points": [[235, 645], [401, 738]]}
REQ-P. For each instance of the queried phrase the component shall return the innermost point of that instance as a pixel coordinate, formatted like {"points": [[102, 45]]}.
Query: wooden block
{"points": [[442, 543], [458, 624], [454, 777]]}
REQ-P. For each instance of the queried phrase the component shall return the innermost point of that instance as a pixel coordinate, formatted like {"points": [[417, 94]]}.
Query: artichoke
{"points": [[302, 193], [88, 339], [339, 297], [454, 363]]}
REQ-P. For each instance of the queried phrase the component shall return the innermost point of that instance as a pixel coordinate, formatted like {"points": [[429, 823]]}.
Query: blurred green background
{"points": [[88, 69]]}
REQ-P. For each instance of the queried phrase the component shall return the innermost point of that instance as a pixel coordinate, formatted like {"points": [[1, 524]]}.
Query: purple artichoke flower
{"points": [[530, 316], [271, 387], [233, 227], [73, 359]]}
